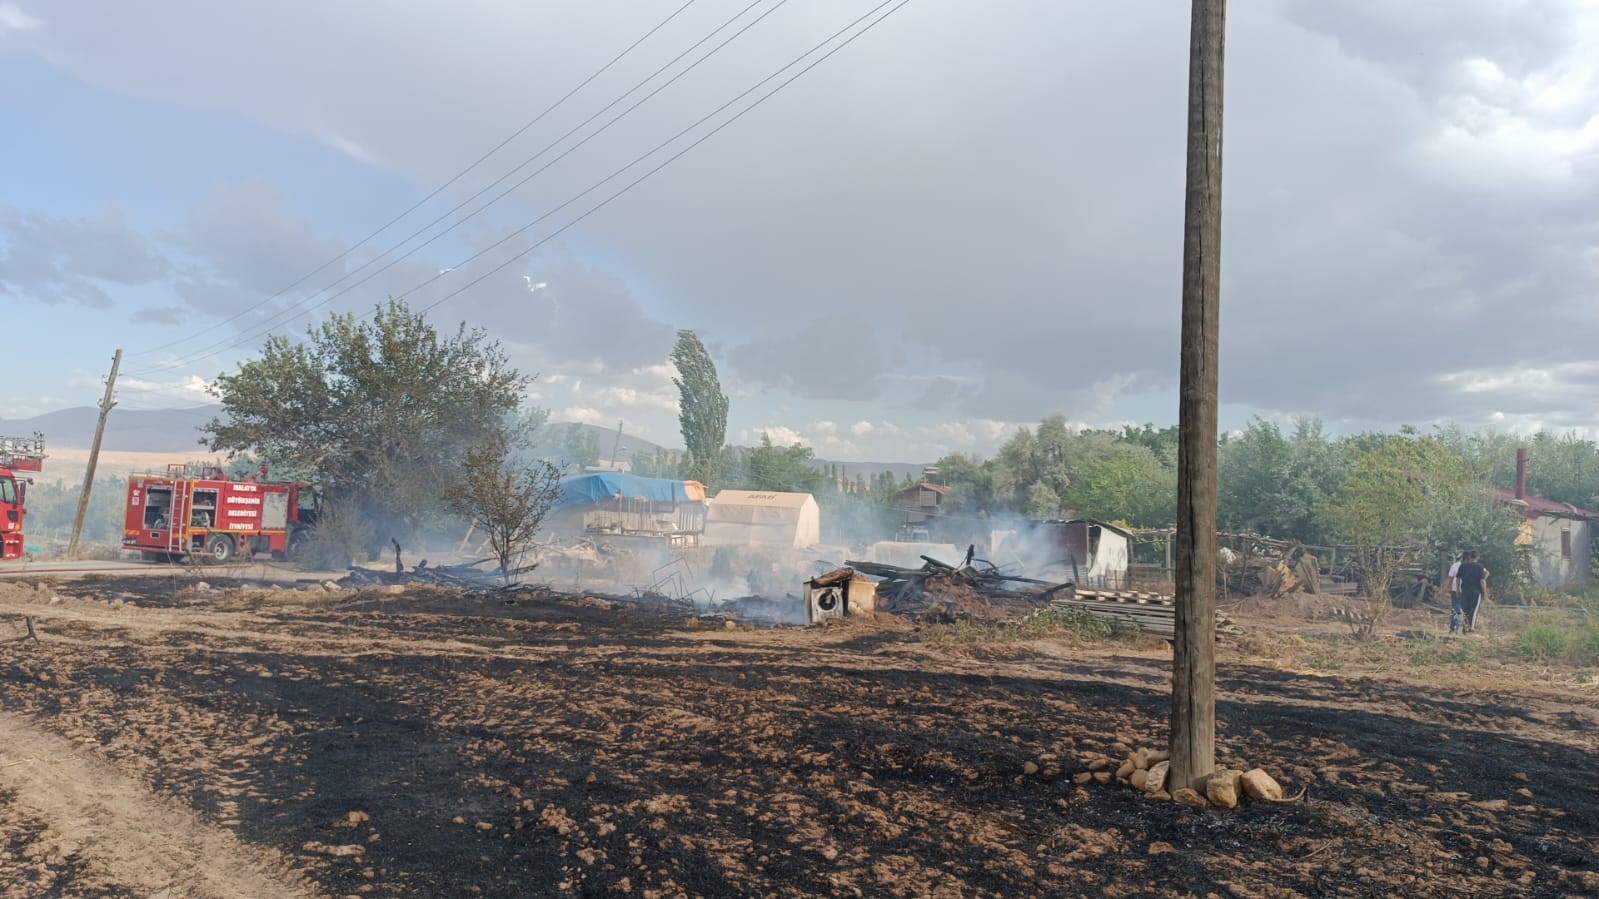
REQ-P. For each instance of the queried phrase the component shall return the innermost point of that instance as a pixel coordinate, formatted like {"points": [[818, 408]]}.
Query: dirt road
{"points": [[432, 745]]}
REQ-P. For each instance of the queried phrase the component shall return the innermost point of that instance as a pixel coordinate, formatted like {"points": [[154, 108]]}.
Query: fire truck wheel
{"points": [[220, 549]]}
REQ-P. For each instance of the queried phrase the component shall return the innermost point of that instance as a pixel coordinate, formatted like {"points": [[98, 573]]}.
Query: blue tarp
{"points": [[599, 487]]}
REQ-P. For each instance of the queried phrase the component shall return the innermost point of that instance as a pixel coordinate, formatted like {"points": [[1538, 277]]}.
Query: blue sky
{"points": [[964, 221]]}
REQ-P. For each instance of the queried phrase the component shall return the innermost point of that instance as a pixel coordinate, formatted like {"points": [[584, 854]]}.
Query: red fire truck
{"points": [[24, 454], [200, 513]]}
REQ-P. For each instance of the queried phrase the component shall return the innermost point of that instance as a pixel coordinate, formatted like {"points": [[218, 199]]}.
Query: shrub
{"points": [[1540, 641]]}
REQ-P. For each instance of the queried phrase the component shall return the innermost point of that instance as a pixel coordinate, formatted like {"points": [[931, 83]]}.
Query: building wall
{"points": [[1551, 566]]}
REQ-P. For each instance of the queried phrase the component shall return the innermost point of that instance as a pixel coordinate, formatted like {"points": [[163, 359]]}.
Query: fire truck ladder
{"points": [[177, 530]]}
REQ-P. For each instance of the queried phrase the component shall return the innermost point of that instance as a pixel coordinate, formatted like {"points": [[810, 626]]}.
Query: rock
{"points": [[457, 820], [1160, 755], [1521, 776], [484, 825], [1120, 748], [1082, 777], [1524, 793], [1158, 795], [1160, 848], [1483, 863], [201, 587], [1222, 788], [55, 600], [1126, 770], [1156, 778], [1139, 778], [731, 625], [1052, 771], [1260, 785], [394, 589], [1099, 764], [1189, 797], [1030, 768], [1102, 777], [331, 587], [1141, 759]]}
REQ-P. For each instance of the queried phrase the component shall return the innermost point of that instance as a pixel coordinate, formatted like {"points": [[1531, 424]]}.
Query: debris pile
{"points": [[466, 576], [939, 592]]}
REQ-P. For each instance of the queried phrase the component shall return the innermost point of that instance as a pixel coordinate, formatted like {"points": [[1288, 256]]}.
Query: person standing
{"points": [[1452, 584], [1472, 580]]}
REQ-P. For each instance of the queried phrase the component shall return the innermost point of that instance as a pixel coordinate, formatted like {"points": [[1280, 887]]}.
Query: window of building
{"points": [[1565, 543]]}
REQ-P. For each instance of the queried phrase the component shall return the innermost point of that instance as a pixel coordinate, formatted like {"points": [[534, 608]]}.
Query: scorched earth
{"points": [[161, 741]]}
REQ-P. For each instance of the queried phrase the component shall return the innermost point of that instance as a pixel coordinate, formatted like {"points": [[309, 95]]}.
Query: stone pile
{"points": [[1147, 770]]}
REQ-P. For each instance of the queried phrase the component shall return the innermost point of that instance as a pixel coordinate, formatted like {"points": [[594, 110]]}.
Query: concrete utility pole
{"points": [[1193, 705], [94, 454]]}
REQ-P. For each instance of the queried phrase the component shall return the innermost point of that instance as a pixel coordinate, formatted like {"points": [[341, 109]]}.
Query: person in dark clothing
{"points": [[1472, 582]]}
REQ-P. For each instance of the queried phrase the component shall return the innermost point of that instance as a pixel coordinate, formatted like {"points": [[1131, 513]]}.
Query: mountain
{"points": [[553, 433], [872, 469], [138, 430], [178, 431]]}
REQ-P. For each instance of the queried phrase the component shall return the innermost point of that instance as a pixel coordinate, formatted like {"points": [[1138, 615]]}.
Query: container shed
{"points": [[744, 517]]}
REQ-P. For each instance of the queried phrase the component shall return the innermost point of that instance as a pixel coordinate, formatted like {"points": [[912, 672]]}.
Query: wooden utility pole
{"points": [[1193, 706], [94, 454]]}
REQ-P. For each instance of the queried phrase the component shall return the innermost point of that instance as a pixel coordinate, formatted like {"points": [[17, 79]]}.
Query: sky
{"points": [[965, 219]]}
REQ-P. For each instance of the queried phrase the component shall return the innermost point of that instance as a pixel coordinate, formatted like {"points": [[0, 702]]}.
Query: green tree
{"points": [[1275, 485], [1042, 502], [1126, 483], [382, 410], [507, 499], [580, 447], [1396, 488], [702, 407], [778, 469]]}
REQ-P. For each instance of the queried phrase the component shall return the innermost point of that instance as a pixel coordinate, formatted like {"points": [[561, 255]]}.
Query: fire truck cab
{"points": [[17, 454], [201, 513]]}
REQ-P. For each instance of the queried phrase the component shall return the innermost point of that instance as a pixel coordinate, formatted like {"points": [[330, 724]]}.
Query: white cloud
{"points": [[14, 18], [780, 435], [583, 414]]}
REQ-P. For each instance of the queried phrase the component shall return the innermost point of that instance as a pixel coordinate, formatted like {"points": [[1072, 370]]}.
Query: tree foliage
{"points": [[382, 410], [503, 497], [780, 469], [702, 407]]}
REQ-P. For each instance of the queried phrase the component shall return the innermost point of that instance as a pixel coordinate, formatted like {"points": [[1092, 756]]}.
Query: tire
{"points": [[294, 547], [220, 549]]}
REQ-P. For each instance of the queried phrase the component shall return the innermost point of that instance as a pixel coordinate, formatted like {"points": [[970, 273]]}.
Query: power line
{"points": [[674, 157], [291, 313], [441, 188], [895, 7]]}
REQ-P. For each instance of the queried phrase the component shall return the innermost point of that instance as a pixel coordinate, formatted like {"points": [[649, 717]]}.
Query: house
{"points": [[750, 517], [1559, 536], [921, 501]]}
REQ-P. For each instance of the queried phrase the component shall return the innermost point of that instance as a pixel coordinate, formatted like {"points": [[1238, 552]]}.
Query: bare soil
{"points": [[291, 743]]}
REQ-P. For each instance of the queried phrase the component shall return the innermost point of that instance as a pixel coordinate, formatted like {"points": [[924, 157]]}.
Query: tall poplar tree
{"points": [[702, 407]]}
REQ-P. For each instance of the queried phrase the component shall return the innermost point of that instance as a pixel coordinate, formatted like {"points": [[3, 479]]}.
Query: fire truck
{"points": [[200, 513], [24, 454]]}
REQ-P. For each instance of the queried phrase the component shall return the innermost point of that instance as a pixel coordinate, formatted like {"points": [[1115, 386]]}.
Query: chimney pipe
{"points": [[1521, 473]]}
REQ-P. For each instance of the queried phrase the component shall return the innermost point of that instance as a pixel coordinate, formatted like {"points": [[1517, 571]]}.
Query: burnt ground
{"points": [[432, 745]]}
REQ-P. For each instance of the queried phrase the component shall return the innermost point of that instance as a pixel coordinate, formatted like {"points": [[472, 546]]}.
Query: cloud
{"points": [[54, 260], [816, 362], [1408, 195], [14, 18]]}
